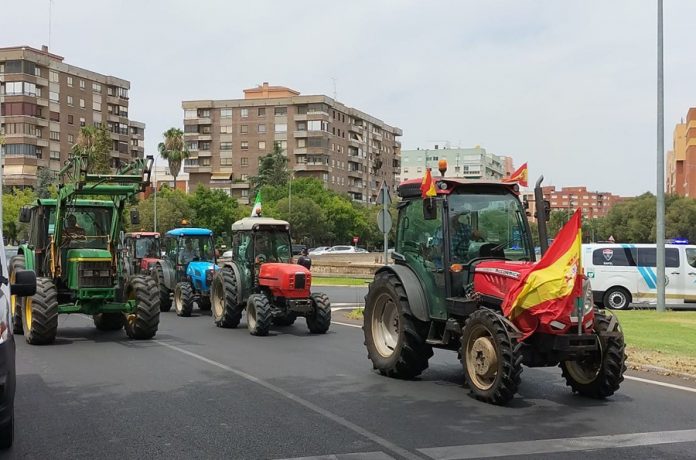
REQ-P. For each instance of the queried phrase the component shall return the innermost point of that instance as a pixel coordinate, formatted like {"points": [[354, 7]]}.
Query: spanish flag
{"points": [[428, 185], [548, 291], [519, 176]]}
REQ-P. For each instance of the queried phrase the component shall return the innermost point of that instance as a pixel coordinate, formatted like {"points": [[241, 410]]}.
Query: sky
{"points": [[569, 87]]}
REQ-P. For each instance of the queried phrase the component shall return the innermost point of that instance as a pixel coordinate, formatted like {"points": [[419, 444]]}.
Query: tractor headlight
{"points": [[209, 275], [587, 297]]}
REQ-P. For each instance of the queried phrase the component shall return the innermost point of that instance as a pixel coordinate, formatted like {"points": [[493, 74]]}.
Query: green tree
{"points": [[96, 144], [214, 209], [45, 182], [273, 170], [309, 223], [173, 149], [12, 202], [172, 207]]}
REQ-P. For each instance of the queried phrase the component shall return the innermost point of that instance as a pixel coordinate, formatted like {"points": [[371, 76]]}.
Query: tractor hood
{"points": [[147, 262], [197, 269], [494, 278], [77, 255]]}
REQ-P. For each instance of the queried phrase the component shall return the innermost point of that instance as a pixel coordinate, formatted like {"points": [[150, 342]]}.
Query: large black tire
{"points": [[7, 433], [259, 315], [287, 319], [601, 376], [40, 315], [109, 321], [203, 303], [319, 320], [226, 308], [394, 338], [183, 299], [617, 298], [164, 293], [143, 323], [16, 303], [491, 358]]}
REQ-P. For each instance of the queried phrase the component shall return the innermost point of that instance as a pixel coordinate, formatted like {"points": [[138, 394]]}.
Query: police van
{"points": [[622, 274]]}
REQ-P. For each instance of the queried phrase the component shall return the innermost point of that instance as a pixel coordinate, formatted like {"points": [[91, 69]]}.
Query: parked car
{"points": [[10, 251], [297, 249], [342, 250], [318, 251], [17, 283]]}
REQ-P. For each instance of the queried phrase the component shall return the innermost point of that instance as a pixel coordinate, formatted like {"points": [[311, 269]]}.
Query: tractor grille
{"points": [[300, 280], [95, 274]]}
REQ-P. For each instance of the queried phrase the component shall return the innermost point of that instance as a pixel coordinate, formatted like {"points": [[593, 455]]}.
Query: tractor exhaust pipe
{"points": [[542, 215]]}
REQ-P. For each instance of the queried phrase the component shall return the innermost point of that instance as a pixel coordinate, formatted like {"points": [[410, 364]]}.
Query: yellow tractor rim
{"points": [[27, 311], [13, 298]]}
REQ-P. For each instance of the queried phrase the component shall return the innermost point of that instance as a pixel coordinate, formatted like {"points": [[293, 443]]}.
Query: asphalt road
{"points": [[198, 391]]}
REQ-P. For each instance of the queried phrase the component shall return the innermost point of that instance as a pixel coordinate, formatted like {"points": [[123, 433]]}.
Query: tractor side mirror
{"points": [[429, 209], [25, 283], [135, 217], [25, 214], [547, 209]]}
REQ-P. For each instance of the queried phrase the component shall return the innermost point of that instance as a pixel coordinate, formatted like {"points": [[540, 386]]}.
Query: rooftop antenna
{"points": [[334, 87]]}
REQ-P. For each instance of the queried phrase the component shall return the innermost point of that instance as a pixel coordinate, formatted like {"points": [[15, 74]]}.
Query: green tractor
{"points": [[457, 254], [76, 249]]}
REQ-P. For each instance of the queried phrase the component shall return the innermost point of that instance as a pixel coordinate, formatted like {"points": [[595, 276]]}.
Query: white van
{"points": [[624, 273]]}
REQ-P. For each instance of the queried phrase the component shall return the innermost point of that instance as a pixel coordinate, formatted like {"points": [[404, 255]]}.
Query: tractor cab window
{"points": [[272, 246], [86, 227], [487, 225], [195, 248], [147, 247], [170, 248]]}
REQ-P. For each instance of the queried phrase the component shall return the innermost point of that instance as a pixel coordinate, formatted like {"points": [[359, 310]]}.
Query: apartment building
{"points": [[350, 151], [468, 163], [43, 104], [681, 159], [593, 204]]}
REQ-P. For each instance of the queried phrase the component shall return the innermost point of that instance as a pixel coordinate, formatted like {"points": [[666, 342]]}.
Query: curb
{"points": [[659, 370]]}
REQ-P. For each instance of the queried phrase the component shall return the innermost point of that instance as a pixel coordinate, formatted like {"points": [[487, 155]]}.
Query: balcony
{"points": [[356, 188], [113, 100], [198, 169], [42, 102], [300, 151], [311, 167], [376, 136], [198, 121], [317, 133], [357, 129], [355, 174], [299, 134], [355, 143], [205, 153], [300, 117]]}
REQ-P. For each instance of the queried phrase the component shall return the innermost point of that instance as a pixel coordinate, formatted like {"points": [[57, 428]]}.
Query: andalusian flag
{"points": [[548, 291], [256, 210], [519, 176], [428, 185]]}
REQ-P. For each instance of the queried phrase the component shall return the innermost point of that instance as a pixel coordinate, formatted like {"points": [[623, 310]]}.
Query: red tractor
{"points": [[262, 278], [143, 251]]}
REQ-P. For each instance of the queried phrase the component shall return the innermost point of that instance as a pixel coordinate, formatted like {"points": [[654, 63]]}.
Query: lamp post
{"points": [[660, 217], [154, 165]]}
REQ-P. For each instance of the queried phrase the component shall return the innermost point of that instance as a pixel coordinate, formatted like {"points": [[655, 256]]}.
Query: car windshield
{"points": [[87, 227], [194, 248], [147, 246]]}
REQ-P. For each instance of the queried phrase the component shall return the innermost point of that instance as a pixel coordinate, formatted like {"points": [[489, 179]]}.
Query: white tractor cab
{"points": [[622, 274]]}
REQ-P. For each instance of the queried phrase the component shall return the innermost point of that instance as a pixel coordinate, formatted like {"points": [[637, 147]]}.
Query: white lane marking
{"points": [[548, 446], [346, 324], [661, 384], [303, 402], [353, 456]]}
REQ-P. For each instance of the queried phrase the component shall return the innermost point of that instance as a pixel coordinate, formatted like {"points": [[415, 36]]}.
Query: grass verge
{"points": [[660, 339], [356, 314], [339, 281]]}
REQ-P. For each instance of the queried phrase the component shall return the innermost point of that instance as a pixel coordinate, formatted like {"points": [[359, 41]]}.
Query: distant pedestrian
{"points": [[304, 260]]}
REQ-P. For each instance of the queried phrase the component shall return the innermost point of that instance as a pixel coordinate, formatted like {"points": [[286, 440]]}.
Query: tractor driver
{"points": [[72, 231], [263, 249], [188, 253]]}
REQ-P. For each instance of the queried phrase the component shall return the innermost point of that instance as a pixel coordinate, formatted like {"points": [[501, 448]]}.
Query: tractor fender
{"points": [[168, 273], [238, 277], [417, 301]]}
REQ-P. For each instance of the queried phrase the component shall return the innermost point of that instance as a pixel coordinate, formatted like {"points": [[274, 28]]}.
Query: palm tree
{"points": [[95, 143], [173, 150]]}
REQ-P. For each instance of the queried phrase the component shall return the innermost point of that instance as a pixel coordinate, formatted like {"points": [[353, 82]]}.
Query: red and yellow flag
{"points": [[428, 185], [548, 291], [520, 176]]}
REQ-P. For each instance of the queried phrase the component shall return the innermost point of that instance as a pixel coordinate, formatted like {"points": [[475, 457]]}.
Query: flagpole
{"points": [[660, 218]]}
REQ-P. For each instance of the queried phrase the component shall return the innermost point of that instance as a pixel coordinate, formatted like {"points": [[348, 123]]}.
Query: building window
{"points": [[204, 161], [70, 83], [301, 142], [54, 116], [262, 145], [190, 114], [225, 145], [225, 129], [261, 128], [96, 87], [70, 119], [55, 155], [204, 145], [82, 103], [96, 105], [280, 111], [82, 84], [245, 177], [53, 96], [53, 76], [245, 193], [203, 113], [283, 145], [317, 125], [245, 145], [245, 161], [244, 129], [70, 101], [225, 161], [281, 127], [71, 139], [261, 112], [244, 113], [82, 122], [225, 113], [54, 136]]}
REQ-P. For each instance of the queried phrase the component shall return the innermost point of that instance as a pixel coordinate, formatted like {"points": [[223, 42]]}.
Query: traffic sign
{"points": [[356, 239], [384, 197], [384, 221]]}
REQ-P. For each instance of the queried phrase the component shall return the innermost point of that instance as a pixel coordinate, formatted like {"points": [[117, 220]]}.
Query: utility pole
{"points": [[660, 220], [154, 165]]}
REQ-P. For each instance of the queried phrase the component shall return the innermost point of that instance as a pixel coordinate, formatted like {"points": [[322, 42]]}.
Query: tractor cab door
{"points": [[171, 254], [243, 256]]}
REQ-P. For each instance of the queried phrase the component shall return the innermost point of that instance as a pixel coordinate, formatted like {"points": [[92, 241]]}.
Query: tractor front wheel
{"points": [[164, 293], [491, 358], [16, 303], [142, 324], [226, 308], [183, 299], [319, 320], [259, 315], [599, 376], [40, 315], [395, 340], [109, 321]]}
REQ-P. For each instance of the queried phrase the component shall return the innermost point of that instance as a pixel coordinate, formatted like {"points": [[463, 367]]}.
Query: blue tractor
{"points": [[186, 270]]}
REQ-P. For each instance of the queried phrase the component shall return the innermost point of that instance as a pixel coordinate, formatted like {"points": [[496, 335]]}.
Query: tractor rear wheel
{"points": [[109, 321], [16, 303], [203, 303], [143, 323], [599, 376], [7, 432], [259, 315], [164, 293], [226, 308], [183, 299], [287, 319], [319, 320], [491, 358], [40, 315], [395, 340]]}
